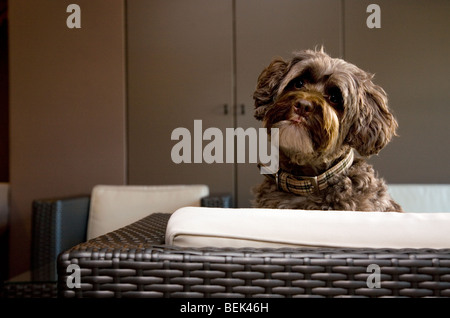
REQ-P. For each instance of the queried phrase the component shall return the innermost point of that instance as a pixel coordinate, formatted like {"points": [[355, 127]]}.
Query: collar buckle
{"points": [[314, 183]]}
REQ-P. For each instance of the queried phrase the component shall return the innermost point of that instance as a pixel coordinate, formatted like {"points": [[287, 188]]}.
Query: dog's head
{"points": [[322, 107]]}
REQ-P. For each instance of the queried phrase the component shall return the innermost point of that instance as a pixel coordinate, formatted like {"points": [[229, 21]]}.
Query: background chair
{"points": [[61, 223], [422, 197]]}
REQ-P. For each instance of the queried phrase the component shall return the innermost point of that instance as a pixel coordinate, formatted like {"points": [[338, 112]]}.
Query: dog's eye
{"points": [[298, 83], [335, 96]]}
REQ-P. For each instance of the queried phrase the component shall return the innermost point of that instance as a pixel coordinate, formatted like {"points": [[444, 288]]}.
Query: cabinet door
{"points": [[409, 55], [266, 29], [179, 70]]}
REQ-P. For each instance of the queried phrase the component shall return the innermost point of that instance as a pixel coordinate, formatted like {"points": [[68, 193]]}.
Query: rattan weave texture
{"points": [[43, 222], [30, 290], [134, 262]]}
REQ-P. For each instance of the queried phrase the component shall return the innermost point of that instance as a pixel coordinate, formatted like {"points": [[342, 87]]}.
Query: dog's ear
{"points": [[267, 86], [374, 124]]}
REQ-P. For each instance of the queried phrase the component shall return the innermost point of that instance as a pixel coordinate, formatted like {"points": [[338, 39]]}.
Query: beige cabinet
{"points": [[199, 60], [179, 70], [409, 55]]}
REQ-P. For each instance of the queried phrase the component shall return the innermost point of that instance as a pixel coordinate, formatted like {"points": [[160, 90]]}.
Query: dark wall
{"points": [[67, 107]]}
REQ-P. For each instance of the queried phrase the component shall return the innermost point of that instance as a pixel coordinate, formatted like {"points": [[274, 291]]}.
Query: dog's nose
{"points": [[304, 106]]}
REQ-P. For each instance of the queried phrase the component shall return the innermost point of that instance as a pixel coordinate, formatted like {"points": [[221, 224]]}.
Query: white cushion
{"points": [[422, 197], [201, 227], [4, 206], [113, 207]]}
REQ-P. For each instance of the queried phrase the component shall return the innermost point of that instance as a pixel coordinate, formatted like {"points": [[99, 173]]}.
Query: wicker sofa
{"points": [[135, 261]]}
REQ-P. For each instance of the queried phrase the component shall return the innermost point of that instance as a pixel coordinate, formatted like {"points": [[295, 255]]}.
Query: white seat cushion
{"points": [[113, 207], [422, 197], [201, 227]]}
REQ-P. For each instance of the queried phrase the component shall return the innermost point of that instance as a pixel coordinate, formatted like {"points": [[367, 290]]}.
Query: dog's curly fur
{"points": [[325, 107]]}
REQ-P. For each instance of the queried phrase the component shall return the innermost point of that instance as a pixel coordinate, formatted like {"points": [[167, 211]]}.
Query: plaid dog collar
{"points": [[303, 185]]}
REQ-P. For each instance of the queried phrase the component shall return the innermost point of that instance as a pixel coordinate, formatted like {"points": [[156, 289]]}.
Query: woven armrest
{"points": [[134, 262], [57, 224]]}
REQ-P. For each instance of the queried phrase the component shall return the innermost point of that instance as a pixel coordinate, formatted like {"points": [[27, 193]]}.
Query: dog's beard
{"points": [[294, 138], [305, 139]]}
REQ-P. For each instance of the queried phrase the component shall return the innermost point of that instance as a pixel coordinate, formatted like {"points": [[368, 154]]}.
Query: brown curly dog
{"points": [[324, 109]]}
